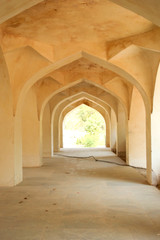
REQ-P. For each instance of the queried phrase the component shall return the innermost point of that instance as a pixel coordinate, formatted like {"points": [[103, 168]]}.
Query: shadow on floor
{"points": [[114, 175]]}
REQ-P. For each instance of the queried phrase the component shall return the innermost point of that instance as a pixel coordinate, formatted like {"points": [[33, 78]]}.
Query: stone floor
{"points": [[80, 199]]}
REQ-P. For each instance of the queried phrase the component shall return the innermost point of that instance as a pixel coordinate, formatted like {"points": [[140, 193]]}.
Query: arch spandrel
{"points": [[143, 8], [52, 67], [142, 64], [95, 89]]}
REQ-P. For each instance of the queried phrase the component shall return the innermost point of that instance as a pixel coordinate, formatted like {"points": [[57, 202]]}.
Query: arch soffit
{"points": [[81, 99], [107, 99], [57, 116], [110, 101], [58, 111], [114, 85], [113, 99], [101, 62], [86, 102], [93, 105], [81, 95]]}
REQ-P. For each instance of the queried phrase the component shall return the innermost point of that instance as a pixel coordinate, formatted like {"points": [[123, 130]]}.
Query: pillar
{"points": [[46, 132], [121, 128], [31, 147], [113, 132], [137, 131]]}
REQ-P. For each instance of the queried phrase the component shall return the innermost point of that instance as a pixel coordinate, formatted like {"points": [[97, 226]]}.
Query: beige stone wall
{"points": [[7, 157], [155, 120], [137, 131], [46, 135], [31, 152], [121, 132]]}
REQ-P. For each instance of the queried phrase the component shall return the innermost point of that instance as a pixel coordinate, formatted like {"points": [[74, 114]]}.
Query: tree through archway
{"points": [[84, 127]]}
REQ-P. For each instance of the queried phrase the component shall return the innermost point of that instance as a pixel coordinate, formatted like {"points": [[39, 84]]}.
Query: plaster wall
{"points": [[7, 158], [13, 7], [61, 131], [46, 136], [31, 132], [137, 131], [155, 133], [146, 8], [18, 147], [56, 133]]}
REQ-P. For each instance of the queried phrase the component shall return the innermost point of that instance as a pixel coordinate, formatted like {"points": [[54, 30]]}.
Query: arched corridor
{"points": [[55, 56]]}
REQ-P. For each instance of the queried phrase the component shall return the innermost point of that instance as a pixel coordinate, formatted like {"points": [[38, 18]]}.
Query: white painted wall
{"points": [[137, 131]]}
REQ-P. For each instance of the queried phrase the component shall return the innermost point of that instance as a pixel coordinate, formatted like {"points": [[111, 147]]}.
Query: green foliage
{"points": [[88, 140], [88, 120]]}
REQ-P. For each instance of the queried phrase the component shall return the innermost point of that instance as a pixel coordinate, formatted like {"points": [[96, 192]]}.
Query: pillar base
{"points": [[47, 154], [152, 178], [113, 150], [122, 155]]}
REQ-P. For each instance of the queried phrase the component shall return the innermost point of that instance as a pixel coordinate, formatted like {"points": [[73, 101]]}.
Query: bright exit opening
{"points": [[84, 127]]}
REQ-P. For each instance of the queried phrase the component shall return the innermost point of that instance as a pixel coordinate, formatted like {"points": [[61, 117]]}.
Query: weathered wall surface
{"points": [[46, 135], [31, 132], [121, 128], [137, 131], [155, 125], [7, 158]]}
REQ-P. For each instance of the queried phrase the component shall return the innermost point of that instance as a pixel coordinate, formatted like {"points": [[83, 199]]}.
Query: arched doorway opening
{"points": [[84, 127]]}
